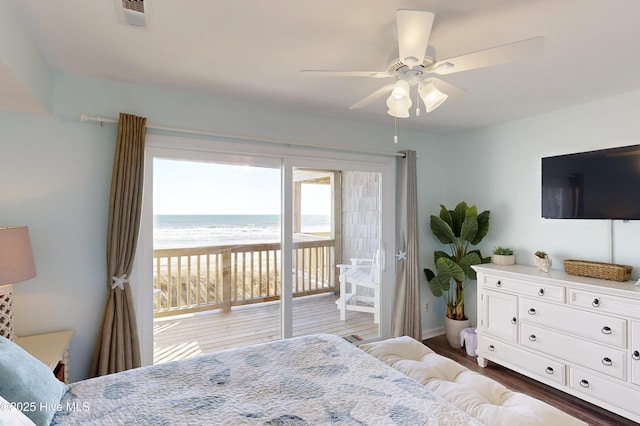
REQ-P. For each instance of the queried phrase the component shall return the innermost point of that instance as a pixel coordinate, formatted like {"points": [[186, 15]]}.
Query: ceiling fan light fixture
{"points": [[399, 101], [401, 90], [431, 96], [398, 111], [398, 108]]}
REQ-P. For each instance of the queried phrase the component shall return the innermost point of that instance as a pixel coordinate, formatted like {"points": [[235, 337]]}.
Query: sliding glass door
{"points": [[247, 249]]}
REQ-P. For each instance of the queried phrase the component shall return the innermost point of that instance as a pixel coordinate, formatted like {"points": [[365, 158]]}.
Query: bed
{"points": [[311, 380]]}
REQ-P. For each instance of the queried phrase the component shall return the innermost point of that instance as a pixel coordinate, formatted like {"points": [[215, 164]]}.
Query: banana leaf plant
{"points": [[460, 228]]}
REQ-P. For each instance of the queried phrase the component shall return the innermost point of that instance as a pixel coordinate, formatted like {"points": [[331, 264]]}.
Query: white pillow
{"points": [[10, 415]]}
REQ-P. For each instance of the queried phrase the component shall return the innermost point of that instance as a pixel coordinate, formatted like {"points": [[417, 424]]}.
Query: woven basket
{"points": [[605, 271]]}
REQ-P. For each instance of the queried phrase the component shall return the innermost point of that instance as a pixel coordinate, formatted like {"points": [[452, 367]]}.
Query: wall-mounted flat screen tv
{"points": [[603, 184]]}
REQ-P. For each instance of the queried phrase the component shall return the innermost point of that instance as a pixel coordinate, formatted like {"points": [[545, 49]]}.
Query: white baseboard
{"points": [[428, 334]]}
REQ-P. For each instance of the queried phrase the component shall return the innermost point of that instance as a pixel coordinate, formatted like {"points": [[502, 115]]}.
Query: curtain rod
{"points": [[102, 120]]}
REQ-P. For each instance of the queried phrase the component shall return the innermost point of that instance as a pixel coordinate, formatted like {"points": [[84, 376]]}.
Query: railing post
{"points": [[226, 280]]}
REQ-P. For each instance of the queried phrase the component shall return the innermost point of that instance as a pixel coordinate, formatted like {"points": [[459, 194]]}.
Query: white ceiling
{"points": [[253, 50]]}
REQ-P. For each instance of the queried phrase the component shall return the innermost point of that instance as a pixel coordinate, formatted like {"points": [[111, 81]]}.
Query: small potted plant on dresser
{"points": [[542, 261], [459, 229], [503, 256]]}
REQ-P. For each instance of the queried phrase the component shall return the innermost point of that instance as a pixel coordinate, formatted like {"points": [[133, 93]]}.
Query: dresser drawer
{"points": [[588, 354], [597, 327], [542, 367], [598, 302], [604, 390], [525, 288]]}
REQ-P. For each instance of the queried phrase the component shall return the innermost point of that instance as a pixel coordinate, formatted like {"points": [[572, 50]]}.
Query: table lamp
{"points": [[16, 264]]}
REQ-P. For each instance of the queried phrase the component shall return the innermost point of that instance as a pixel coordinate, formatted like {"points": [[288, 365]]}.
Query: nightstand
{"points": [[52, 349]]}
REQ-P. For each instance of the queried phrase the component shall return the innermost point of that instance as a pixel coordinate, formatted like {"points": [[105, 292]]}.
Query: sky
{"points": [[189, 187]]}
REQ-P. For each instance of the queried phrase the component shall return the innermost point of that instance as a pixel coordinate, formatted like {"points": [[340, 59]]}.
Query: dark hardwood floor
{"points": [[582, 410]]}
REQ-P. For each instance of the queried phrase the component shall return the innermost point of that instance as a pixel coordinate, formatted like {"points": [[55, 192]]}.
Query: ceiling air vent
{"points": [[133, 12], [135, 5]]}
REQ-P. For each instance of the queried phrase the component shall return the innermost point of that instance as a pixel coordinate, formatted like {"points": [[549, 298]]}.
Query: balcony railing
{"points": [[218, 277]]}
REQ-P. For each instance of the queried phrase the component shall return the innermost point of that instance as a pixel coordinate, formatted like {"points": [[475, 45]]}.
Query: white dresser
{"points": [[577, 334]]}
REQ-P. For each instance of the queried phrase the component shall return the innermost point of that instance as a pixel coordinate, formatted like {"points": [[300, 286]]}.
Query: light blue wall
{"points": [[55, 177], [501, 172]]}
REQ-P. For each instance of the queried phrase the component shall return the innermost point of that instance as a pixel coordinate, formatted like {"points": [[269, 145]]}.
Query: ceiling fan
{"points": [[414, 66]]}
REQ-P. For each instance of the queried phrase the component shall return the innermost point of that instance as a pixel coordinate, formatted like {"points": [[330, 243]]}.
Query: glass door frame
{"points": [[269, 155]]}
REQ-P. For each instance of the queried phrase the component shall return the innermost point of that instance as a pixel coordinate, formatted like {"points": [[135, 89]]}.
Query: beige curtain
{"points": [[406, 314], [118, 346]]}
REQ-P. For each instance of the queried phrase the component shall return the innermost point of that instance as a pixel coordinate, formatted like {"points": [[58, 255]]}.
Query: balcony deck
{"points": [[183, 336]]}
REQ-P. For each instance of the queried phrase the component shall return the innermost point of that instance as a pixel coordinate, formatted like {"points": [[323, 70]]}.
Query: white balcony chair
{"points": [[360, 287]]}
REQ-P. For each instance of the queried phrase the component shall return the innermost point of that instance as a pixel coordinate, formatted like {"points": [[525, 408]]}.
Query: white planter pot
{"points": [[500, 259], [543, 264], [452, 329]]}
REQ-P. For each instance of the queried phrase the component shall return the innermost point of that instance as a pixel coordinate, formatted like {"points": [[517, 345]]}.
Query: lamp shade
{"points": [[16, 256], [431, 96]]}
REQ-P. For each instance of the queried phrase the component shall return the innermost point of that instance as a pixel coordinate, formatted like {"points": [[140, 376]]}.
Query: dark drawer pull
{"points": [[549, 370], [584, 383], [607, 362], [499, 283], [513, 320], [492, 348], [606, 330], [541, 292], [532, 337], [532, 311], [636, 355], [595, 303]]}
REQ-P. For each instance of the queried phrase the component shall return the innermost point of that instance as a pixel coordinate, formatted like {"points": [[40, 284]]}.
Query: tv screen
{"points": [[603, 184]]}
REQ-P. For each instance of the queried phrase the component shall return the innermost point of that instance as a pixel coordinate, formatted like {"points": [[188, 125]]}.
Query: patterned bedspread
{"points": [[311, 380]]}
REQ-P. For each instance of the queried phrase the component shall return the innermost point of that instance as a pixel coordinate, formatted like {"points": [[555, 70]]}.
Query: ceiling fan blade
{"points": [[372, 97], [336, 73], [511, 52], [414, 29]]}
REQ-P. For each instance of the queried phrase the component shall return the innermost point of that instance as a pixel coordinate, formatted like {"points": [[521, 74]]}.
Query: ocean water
{"points": [[174, 231]]}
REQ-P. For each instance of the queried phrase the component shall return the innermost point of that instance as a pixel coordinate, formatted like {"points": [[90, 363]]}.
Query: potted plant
{"points": [[460, 229], [503, 256], [542, 261]]}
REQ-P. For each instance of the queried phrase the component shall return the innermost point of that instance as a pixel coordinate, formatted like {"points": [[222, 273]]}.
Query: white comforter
{"points": [[312, 380]]}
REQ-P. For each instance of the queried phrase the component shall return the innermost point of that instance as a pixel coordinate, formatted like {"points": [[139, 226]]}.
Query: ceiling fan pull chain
{"points": [[395, 130]]}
